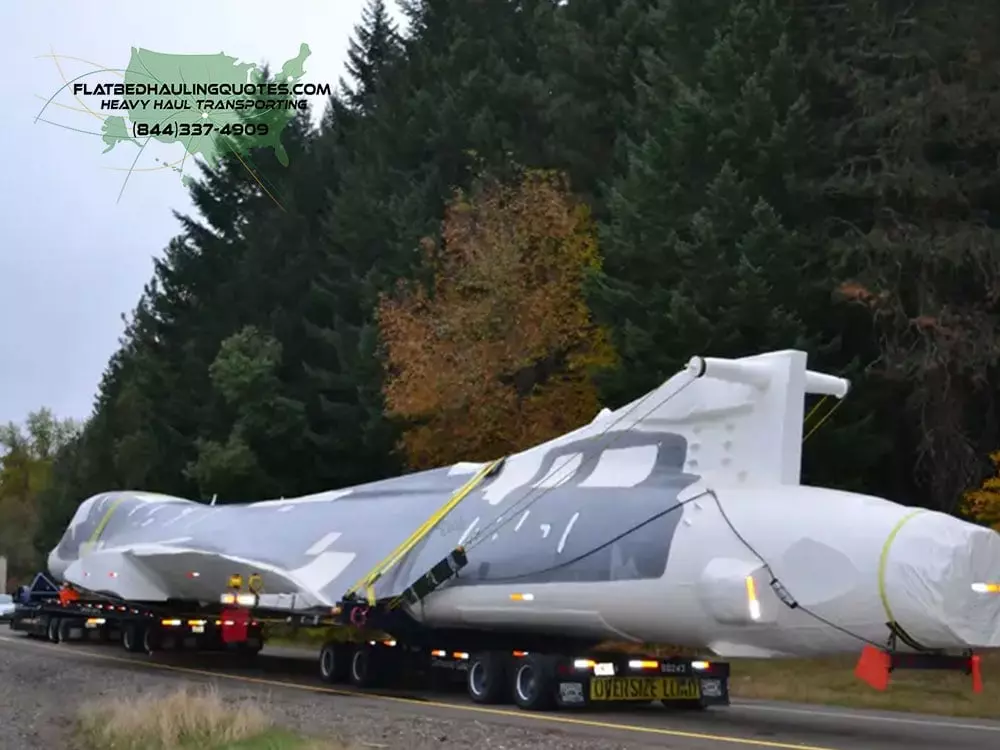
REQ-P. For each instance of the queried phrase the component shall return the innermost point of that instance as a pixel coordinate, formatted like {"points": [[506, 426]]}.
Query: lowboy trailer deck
{"points": [[533, 671], [139, 628], [383, 648]]}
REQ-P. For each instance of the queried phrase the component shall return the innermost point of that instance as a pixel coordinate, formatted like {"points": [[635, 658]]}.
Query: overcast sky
{"points": [[74, 256]]}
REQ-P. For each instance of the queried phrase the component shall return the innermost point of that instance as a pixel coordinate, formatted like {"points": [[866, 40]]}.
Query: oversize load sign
{"points": [[643, 689]]}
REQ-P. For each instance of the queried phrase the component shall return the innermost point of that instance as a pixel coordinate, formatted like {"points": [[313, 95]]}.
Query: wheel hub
{"points": [[525, 682], [477, 678]]}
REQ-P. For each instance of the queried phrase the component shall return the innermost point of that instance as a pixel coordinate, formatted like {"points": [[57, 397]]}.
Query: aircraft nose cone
{"points": [[57, 566], [938, 573]]}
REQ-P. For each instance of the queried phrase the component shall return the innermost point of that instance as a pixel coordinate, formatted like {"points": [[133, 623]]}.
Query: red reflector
{"points": [[235, 623]]}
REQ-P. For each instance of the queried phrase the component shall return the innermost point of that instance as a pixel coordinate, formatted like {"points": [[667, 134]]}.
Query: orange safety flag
{"points": [[873, 667], [977, 674], [67, 595]]}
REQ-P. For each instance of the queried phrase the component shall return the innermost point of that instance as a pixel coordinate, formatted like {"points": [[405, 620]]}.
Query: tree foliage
{"points": [[757, 175], [919, 221], [498, 354], [983, 503], [26, 465]]}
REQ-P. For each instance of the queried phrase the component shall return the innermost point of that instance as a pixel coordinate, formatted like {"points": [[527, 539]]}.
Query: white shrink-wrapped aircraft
{"points": [[678, 518]]}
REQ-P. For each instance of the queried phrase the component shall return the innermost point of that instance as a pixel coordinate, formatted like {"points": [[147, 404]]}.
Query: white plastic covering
{"points": [[665, 520]]}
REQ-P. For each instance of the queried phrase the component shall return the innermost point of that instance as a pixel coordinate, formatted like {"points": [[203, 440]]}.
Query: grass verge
{"points": [[832, 682], [820, 681], [185, 720]]}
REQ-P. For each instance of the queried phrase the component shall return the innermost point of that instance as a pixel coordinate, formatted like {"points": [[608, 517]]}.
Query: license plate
{"points": [[197, 628], [644, 688]]}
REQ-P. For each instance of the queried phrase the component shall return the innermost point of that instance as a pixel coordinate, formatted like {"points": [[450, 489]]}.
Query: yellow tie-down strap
{"points": [[368, 582], [884, 560], [88, 546]]}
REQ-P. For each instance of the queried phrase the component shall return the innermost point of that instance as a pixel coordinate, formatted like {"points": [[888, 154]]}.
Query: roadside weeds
{"points": [[185, 719], [832, 682]]}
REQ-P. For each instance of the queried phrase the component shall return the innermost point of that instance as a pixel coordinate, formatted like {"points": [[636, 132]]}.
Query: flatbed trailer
{"points": [[535, 672], [139, 627], [379, 647]]}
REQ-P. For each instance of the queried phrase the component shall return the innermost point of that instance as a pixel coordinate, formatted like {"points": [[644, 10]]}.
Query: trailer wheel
{"points": [[133, 637], [365, 668], [534, 683], [248, 652], [486, 678], [696, 704], [53, 629], [150, 640], [334, 662], [64, 630]]}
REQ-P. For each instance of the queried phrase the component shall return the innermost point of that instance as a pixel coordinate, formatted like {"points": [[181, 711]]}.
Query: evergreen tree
{"points": [[915, 225], [745, 158], [698, 257], [374, 50]]}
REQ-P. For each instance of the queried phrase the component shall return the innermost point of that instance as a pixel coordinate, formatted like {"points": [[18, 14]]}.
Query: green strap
{"points": [[884, 559]]}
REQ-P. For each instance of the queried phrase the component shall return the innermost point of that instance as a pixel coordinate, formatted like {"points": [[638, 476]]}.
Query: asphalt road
{"points": [[745, 724]]}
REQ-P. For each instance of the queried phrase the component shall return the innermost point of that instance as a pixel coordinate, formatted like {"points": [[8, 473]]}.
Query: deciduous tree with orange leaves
{"points": [[983, 504], [495, 352]]}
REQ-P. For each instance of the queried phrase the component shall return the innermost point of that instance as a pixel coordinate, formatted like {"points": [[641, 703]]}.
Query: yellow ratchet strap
{"points": [[368, 581]]}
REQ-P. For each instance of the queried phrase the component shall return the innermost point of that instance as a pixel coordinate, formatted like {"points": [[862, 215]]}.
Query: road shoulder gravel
{"points": [[41, 692]]}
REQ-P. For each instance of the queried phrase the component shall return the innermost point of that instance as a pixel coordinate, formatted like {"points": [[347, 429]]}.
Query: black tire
{"points": [[247, 652], [150, 640], [52, 631], [687, 705], [64, 627], [132, 638], [334, 662], [486, 678], [366, 667], [533, 682]]}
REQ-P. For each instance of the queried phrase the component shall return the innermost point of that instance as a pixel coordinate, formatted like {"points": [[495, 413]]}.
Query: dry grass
{"points": [[184, 720], [832, 682]]}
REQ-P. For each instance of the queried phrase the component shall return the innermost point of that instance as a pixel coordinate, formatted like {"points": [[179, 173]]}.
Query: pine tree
{"points": [[709, 246], [697, 255], [374, 49], [916, 226]]}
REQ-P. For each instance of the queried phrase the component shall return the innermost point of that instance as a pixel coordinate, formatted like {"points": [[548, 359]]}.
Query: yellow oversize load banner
{"points": [[644, 688]]}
